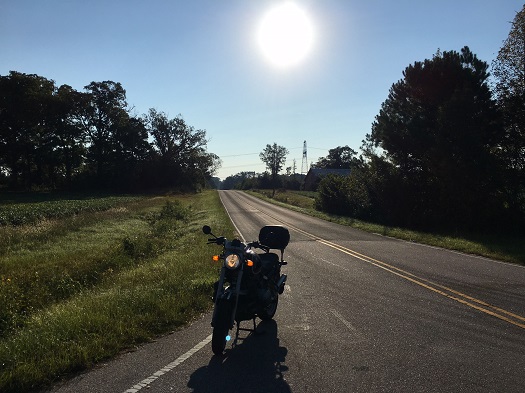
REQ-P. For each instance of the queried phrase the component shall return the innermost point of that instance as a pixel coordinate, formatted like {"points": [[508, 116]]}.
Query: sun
{"points": [[285, 35]]}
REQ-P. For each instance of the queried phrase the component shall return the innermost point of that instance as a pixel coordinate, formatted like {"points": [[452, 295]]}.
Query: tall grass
{"points": [[299, 199], [508, 248], [116, 279]]}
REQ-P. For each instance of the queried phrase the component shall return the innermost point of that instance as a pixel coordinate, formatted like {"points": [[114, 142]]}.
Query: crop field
{"points": [[31, 213], [81, 280]]}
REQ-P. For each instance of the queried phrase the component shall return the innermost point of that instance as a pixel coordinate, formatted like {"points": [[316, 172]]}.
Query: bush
{"points": [[343, 195]]}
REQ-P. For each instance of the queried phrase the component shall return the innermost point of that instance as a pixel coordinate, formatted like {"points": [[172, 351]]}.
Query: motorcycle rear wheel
{"points": [[221, 328]]}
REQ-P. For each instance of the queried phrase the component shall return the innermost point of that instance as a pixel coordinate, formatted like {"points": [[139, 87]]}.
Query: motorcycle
{"points": [[249, 284]]}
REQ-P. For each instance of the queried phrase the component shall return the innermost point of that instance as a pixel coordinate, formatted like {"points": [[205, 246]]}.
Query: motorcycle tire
{"points": [[269, 311], [221, 328]]}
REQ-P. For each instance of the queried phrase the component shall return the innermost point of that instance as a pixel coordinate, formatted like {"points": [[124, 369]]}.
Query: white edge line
{"points": [[169, 367], [146, 382], [236, 228]]}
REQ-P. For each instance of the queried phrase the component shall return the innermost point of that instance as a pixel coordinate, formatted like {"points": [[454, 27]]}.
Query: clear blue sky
{"points": [[201, 59]]}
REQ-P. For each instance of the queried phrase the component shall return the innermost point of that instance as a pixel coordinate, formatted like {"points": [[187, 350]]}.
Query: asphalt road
{"points": [[361, 313]]}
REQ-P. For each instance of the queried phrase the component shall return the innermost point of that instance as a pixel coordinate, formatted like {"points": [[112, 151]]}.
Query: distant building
{"points": [[314, 176]]}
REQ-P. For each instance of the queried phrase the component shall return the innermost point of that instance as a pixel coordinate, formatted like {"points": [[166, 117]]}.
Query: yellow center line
{"points": [[487, 309], [442, 290]]}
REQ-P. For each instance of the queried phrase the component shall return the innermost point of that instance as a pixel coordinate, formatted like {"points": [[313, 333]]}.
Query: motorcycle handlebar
{"points": [[259, 245], [222, 239], [217, 240]]}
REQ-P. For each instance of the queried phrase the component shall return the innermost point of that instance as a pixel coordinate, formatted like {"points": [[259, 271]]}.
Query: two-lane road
{"points": [[361, 313]]}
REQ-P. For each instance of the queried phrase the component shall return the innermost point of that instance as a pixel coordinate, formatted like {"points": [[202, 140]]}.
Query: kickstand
{"points": [[254, 330]]}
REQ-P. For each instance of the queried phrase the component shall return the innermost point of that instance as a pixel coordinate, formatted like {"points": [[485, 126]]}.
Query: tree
{"points": [[130, 151], [509, 88], [104, 108], [438, 128], [341, 157], [509, 66], [180, 151], [242, 180], [51, 137], [274, 157], [69, 136], [25, 133]]}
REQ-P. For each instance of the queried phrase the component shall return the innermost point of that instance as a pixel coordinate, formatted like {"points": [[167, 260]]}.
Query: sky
{"points": [[202, 59]]}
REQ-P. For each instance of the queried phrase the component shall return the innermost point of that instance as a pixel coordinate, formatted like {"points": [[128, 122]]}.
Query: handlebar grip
{"points": [[259, 245]]}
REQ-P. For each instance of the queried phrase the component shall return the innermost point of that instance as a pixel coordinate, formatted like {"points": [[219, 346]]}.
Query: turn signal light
{"points": [[249, 263], [215, 258]]}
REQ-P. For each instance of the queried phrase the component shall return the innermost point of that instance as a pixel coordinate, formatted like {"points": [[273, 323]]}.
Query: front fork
{"points": [[280, 283], [221, 294]]}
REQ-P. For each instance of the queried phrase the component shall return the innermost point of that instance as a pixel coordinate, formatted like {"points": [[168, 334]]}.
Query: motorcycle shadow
{"points": [[255, 364]]}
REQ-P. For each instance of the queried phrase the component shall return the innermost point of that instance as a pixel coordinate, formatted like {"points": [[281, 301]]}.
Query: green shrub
{"points": [[343, 195]]}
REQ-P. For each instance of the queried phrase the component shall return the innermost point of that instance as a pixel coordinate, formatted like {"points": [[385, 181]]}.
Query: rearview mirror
{"points": [[206, 229]]}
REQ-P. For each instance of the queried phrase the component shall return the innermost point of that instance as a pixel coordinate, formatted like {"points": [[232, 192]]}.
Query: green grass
{"points": [[298, 199], [79, 289], [508, 248]]}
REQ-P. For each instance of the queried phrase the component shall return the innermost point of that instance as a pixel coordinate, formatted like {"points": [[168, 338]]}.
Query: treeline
{"points": [[54, 137], [251, 180], [446, 151]]}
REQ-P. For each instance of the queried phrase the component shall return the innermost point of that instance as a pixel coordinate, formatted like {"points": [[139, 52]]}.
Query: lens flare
{"points": [[285, 35]]}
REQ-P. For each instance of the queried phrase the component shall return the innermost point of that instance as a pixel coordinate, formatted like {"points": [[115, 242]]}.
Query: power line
{"points": [[239, 166], [238, 155], [252, 154]]}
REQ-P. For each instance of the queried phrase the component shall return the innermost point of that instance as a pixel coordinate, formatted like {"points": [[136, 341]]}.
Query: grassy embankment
{"points": [[501, 247], [82, 280]]}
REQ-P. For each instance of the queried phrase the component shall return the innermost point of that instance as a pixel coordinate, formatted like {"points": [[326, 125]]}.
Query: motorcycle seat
{"points": [[269, 257]]}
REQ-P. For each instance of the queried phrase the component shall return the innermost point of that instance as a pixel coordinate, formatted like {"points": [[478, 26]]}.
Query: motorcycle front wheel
{"points": [[221, 327], [269, 311]]}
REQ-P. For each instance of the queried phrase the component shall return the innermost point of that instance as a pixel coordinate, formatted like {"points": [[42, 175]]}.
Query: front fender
{"points": [[223, 310]]}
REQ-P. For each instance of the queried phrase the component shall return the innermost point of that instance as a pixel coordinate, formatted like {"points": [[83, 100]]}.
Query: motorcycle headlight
{"points": [[232, 261]]}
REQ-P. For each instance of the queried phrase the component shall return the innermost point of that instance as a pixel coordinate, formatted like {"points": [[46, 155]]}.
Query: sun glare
{"points": [[285, 35]]}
